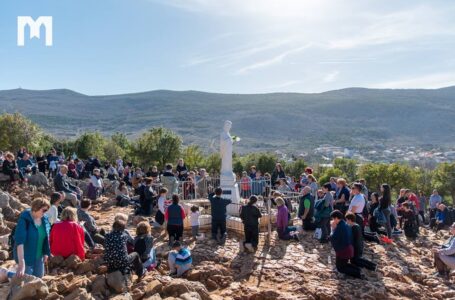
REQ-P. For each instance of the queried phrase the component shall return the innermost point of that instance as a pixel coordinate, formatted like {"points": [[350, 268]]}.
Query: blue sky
{"points": [[230, 46]]}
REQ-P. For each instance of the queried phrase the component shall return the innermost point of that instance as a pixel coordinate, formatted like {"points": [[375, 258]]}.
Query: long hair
{"points": [[386, 195]]}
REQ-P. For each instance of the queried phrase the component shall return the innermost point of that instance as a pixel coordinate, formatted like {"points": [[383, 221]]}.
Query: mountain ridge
{"points": [[350, 117]]}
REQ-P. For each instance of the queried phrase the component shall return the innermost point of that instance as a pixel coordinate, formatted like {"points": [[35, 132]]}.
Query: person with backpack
{"points": [[250, 215], [143, 245], [323, 208], [31, 239]]}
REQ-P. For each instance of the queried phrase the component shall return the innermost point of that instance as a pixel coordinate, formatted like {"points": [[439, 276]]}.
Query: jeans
{"points": [[218, 225], [37, 269], [388, 226]]}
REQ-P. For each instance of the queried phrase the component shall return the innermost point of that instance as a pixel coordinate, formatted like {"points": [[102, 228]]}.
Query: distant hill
{"points": [[352, 117]]}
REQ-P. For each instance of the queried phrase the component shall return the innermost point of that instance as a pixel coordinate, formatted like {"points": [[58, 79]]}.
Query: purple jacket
{"points": [[282, 217]]}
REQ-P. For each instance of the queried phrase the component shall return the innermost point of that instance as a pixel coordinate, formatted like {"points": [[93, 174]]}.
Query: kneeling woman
{"points": [[285, 232], [67, 236]]}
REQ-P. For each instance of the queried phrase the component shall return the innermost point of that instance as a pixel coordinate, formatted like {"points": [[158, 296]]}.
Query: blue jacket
{"points": [[26, 234], [218, 207], [341, 236], [441, 215]]}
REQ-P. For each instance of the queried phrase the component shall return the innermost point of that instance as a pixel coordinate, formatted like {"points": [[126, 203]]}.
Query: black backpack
{"points": [[450, 216]]}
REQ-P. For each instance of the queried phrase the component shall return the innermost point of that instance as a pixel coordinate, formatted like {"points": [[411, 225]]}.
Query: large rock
{"points": [[79, 294], [99, 285], [71, 262], [117, 281], [28, 287], [190, 296], [179, 287], [152, 288]]}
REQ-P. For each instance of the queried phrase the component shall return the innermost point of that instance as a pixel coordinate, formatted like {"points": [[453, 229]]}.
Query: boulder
{"points": [[4, 255], [28, 287], [55, 261], [99, 285], [117, 281], [179, 287], [79, 294], [71, 262], [152, 288], [190, 296], [85, 267]]}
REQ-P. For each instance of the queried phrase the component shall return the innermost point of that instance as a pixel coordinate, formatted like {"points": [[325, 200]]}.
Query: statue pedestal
{"points": [[231, 191]]}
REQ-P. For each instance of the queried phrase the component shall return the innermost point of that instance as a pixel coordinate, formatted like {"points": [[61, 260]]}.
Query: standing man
{"points": [[435, 200], [219, 214]]}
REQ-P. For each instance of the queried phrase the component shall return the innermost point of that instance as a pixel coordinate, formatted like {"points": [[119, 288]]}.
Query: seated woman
{"points": [[116, 254], [285, 232], [179, 259], [143, 245], [67, 236], [10, 168], [444, 257], [122, 195], [95, 187]]}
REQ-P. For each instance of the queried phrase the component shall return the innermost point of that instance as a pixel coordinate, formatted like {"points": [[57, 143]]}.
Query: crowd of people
{"points": [[344, 214]]}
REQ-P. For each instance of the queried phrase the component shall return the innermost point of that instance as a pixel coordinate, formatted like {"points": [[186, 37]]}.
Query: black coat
{"points": [[250, 215], [61, 184]]}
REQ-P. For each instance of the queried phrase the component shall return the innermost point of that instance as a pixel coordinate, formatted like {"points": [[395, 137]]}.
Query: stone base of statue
{"points": [[231, 191]]}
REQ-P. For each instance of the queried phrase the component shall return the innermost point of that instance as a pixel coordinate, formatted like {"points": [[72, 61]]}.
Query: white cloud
{"points": [[332, 76], [430, 81], [273, 60]]}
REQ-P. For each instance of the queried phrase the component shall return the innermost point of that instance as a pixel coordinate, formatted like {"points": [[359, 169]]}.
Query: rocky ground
{"points": [[279, 269]]}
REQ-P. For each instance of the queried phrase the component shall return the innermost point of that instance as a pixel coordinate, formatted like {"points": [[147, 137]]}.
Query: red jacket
{"points": [[67, 238]]}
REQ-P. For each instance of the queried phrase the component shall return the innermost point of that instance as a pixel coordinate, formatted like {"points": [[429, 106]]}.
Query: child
{"points": [[52, 213], [250, 216], [179, 260], [194, 217], [143, 245], [162, 205]]}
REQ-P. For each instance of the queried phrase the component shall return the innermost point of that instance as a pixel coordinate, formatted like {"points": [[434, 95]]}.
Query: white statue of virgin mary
{"points": [[226, 142]]}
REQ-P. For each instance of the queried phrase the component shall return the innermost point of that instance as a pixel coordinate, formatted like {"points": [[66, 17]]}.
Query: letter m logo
{"points": [[35, 27]]}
